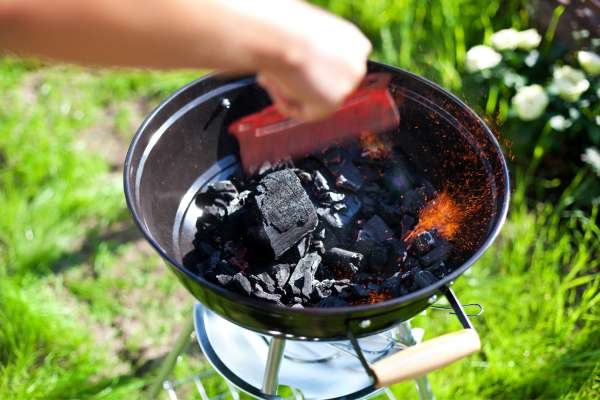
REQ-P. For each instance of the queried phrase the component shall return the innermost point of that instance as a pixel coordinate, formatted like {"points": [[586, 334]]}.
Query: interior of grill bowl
{"points": [[184, 146]]}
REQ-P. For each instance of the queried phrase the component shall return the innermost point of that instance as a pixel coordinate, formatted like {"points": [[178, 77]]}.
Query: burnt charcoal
{"points": [[339, 206], [303, 276], [261, 293], [344, 261], [369, 173], [372, 188], [334, 156], [297, 305], [266, 282], [395, 284], [340, 285], [223, 190], [424, 278], [413, 201], [241, 284], [364, 243], [397, 179], [281, 273], [439, 269], [318, 246], [320, 234], [340, 219], [320, 182], [376, 229], [322, 290], [303, 246], [214, 212], [424, 242], [240, 263], [287, 212], [333, 197], [304, 177], [407, 224], [397, 250], [378, 258], [389, 210], [224, 279], [369, 205], [439, 253], [331, 239], [265, 168], [411, 264], [347, 176], [333, 301]]}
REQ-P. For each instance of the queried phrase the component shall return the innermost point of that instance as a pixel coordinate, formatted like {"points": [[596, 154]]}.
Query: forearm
{"points": [[146, 33]]}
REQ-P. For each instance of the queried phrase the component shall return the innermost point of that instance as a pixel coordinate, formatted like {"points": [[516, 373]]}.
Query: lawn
{"points": [[87, 310]]}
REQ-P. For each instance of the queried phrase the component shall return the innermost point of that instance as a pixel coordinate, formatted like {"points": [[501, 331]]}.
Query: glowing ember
{"points": [[442, 214], [373, 147], [374, 297]]}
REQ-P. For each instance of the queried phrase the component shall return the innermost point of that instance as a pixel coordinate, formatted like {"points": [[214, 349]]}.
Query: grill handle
{"points": [[430, 355]]}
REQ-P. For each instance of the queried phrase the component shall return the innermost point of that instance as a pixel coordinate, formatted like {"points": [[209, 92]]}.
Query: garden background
{"points": [[87, 310]]}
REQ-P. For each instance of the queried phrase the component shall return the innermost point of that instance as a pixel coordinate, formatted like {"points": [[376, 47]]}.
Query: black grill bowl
{"points": [[183, 145]]}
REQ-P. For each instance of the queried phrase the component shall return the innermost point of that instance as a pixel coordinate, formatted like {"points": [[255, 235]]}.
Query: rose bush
{"points": [[544, 96]]}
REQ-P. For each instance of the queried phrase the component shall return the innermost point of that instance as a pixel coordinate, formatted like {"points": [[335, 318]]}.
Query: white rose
{"points": [[528, 39], [530, 102], [560, 123], [569, 82], [506, 39], [592, 157], [590, 62], [481, 57]]}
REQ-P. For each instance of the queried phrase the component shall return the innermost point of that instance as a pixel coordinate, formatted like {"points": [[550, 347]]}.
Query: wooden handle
{"points": [[415, 361]]}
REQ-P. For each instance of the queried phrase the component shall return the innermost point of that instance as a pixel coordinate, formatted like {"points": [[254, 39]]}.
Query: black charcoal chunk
{"points": [[376, 229], [347, 176], [439, 269], [302, 278], [241, 284], [412, 263], [334, 156], [439, 253], [281, 273], [267, 283], [424, 242], [413, 201], [333, 197], [263, 294], [223, 189], [424, 278], [224, 279], [345, 261], [322, 290], [320, 182], [340, 219], [318, 246], [287, 212], [379, 257], [397, 179], [332, 302], [395, 284], [304, 176], [398, 249], [407, 224]]}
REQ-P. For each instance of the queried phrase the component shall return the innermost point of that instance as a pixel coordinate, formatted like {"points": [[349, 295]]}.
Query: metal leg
{"points": [[405, 336], [169, 363], [276, 348]]}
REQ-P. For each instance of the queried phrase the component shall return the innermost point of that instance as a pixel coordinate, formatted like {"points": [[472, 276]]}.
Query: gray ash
{"points": [[326, 231]]}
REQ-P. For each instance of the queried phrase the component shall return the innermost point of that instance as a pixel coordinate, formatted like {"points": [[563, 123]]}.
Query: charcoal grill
{"points": [[184, 145]]}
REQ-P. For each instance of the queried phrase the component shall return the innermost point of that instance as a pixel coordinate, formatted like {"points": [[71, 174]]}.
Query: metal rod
{"points": [[423, 386], [167, 365], [458, 309], [276, 348]]}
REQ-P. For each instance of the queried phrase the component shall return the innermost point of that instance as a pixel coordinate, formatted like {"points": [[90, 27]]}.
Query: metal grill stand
{"points": [[236, 354]]}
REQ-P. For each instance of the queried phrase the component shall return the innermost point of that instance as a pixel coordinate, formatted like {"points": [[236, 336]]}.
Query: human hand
{"points": [[324, 60]]}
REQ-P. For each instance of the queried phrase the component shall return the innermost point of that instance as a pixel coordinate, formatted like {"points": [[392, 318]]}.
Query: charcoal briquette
{"points": [[223, 189], [340, 219], [261, 293], [224, 279], [424, 278], [439, 253], [320, 182], [287, 212], [303, 275], [241, 284], [376, 229], [344, 261], [407, 224], [347, 176], [413, 201], [281, 273], [424, 242], [267, 283]]}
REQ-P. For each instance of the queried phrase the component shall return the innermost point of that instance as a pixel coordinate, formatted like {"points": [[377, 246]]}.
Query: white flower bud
{"points": [[530, 102], [592, 157], [528, 39], [570, 83], [560, 123], [505, 39], [590, 62], [481, 57]]}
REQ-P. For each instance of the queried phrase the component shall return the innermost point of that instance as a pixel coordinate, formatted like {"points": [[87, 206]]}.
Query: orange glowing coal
{"points": [[373, 147], [442, 214]]}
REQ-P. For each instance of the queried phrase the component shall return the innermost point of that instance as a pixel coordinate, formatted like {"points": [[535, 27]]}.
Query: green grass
{"points": [[83, 301]]}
